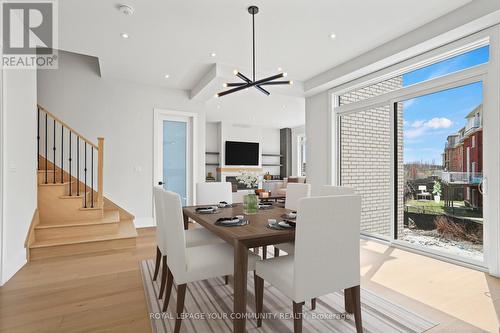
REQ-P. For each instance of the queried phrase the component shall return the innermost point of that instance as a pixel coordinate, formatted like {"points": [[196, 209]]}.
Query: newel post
{"points": [[100, 172]]}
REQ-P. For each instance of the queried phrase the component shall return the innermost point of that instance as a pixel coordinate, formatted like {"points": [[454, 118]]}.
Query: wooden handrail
{"points": [[100, 157], [67, 126]]}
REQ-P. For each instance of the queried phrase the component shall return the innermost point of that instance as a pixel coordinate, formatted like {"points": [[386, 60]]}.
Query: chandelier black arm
{"points": [[251, 84], [259, 88], [262, 90], [275, 83], [239, 84], [243, 77], [235, 84]]}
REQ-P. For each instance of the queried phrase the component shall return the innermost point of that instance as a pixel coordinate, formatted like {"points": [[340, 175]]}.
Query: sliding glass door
{"points": [[442, 171], [418, 148]]}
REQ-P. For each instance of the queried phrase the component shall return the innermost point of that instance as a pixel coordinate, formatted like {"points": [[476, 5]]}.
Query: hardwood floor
{"points": [[102, 292]]}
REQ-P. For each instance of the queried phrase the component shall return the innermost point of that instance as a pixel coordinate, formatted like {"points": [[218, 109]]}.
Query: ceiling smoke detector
{"points": [[126, 9]]}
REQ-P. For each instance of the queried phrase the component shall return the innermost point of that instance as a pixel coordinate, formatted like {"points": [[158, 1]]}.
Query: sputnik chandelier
{"points": [[247, 83]]}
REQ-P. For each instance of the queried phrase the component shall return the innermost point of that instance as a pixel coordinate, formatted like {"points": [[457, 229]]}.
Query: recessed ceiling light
{"points": [[124, 35], [167, 76], [280, 69], [333, 36], [126, 9], [213, 54]]}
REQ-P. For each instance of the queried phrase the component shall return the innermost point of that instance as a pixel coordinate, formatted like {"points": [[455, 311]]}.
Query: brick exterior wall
{"points": [[365, 154]]}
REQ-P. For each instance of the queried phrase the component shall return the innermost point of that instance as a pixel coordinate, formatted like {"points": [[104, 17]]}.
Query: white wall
{"points": [[122, 113], [19, 165], [217, 133], [318, 135], [296, 132]]}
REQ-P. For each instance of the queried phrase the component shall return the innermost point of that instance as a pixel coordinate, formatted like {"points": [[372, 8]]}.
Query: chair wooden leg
{"points": [[348, 305], [276, 252], [181, 294], [264, 252], [163, 277], [259, 297], [168, 290], [157, 264], [226, 279], [313, 303], [356, 302], [297, 317]]}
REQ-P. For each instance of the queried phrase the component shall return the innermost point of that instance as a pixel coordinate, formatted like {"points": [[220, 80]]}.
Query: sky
{"points": [[429, 119]]}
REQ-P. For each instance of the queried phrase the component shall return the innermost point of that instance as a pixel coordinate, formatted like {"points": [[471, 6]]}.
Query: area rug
{"points": [[208, 306]]}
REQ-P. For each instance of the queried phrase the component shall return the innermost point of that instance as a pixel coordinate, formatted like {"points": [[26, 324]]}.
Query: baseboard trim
{"points": [[14, 265]]}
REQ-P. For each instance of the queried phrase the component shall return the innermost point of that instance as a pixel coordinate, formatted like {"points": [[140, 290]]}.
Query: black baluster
{"points": [[69, 161], [46, 149], [85, 177], [38, 139], [77, 165], [54, 149], [92, 177], [62, 154]]}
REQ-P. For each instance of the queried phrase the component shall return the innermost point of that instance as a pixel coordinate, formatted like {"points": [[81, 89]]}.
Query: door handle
{"points": [[483, 186], [160, 183]]}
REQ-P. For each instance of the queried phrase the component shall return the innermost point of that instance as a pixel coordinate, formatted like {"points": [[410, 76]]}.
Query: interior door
{"points": [[174, 165]]}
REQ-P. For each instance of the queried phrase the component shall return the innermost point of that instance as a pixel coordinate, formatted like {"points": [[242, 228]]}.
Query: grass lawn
{"points": [[432, 207]]}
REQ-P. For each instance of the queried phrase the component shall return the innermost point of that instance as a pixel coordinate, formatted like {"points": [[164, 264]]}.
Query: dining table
{"points": [[255, 234]]}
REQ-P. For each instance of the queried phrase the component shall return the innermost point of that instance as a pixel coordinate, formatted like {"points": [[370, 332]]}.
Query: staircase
{"points": [[73, 216]]}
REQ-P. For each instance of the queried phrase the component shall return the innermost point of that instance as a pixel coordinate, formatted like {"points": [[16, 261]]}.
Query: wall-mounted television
{"points": [[242, 153]]}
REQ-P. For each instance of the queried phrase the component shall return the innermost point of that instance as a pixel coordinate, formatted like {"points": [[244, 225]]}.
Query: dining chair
{"points": [[190, 264], [326, 257], [324, 191], [294, 193], [213, 193], [194, 237], [336, 190]]}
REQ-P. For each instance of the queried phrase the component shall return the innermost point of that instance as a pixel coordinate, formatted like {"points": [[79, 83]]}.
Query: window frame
{"points": [[488, 73]]}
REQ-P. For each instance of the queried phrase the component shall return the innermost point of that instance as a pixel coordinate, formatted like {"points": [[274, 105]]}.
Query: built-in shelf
{"points": [[277, 155], [212, 153], [272, 164]]}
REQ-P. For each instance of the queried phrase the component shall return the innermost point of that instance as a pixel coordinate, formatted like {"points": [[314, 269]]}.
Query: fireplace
{"points": [[237, 185]]}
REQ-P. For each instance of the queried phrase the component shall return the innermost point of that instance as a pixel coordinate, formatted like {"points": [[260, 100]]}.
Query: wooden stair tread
{"points": [[126, 230], [74, 195], [56, 184], [110, 216]]}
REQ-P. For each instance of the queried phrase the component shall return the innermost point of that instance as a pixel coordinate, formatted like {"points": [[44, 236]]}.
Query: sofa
{"points": [[286, 180]]}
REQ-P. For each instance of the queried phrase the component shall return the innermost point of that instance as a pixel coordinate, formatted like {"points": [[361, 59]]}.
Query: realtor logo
{"points": [[29, 34]]}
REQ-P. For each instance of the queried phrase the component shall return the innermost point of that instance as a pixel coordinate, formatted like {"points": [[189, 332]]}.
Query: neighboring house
{"points": [[463, 158], [453, 153]]}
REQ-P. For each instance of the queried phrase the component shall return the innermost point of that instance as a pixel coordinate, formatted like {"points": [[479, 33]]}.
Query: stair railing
{"points": [[48, 127]]}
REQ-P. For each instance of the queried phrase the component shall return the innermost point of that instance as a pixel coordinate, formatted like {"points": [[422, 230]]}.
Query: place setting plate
{"points": [[224, 204], [207, 210], [264, 206], [290, 216], [281, 225], [234, 221]]}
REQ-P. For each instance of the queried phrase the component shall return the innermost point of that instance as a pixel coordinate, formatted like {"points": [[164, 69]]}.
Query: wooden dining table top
{"points": [[255, 233]]}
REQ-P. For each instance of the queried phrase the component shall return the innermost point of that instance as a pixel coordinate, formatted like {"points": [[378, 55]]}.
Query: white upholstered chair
{"points": [[294, 193], [191, 264], [336, 190], [194, 237], [325, 225], [213, 193], [325, 190]]}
